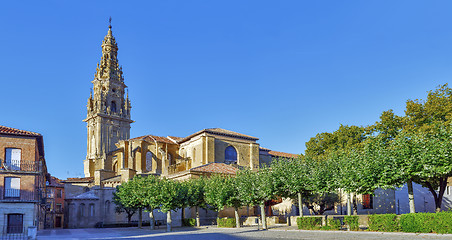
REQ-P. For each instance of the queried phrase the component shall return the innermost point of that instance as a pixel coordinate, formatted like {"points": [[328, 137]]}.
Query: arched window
{"points": [[194, 154], [113, 106], [107, 207], [81, 211], [230, 155], [148, 161], [91, 210]]}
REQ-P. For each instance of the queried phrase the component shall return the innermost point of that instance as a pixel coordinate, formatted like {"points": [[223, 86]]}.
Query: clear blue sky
{"points": [[282, 71]]}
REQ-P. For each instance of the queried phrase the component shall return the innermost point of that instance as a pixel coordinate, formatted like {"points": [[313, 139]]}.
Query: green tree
{"points": [[195, 195], [291, 179], [221, 192], [151, 191], [131, 195], [255, 188], [171, 197], [425, 158]]}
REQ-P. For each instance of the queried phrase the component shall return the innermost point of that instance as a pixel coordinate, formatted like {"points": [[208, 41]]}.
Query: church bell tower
{"points": [[108, 118]]}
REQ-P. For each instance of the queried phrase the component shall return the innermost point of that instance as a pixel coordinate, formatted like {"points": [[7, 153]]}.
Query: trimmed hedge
{"points": [[384, 222], [334, 224], [189, 222], [226, 222], [309, 223], [352, 222], [427, 222]]}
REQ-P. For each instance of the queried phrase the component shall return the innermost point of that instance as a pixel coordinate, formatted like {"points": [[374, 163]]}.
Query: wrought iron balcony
{"points": [[18, 195], [21, 166]]}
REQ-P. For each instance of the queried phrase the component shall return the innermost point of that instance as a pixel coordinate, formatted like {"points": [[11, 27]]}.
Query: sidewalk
{"points": [[214, 233]]}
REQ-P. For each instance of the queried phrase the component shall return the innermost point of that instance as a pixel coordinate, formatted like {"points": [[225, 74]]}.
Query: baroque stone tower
{"points": [[108, 119]]}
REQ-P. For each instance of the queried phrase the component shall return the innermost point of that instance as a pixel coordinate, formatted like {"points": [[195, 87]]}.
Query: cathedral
{"points": [[114, 157]]}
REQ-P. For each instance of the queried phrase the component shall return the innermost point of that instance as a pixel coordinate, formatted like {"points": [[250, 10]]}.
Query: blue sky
{"points": [[282, 71]]}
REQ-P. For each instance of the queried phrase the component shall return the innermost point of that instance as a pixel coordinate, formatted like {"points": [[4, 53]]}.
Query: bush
{"points": [[427, 222], [189, 222], [226, 222], [352, 222], [334, 224], [383, 222], [309, 223]]}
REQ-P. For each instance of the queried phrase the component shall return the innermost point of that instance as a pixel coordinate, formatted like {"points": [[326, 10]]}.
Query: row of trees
{"points": [[396, 150]]}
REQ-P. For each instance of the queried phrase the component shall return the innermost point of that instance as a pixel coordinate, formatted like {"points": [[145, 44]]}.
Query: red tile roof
{"points": [[283, 154], [80, 180], [55, 182], [221, 168], [220, 131], [14, 131]]}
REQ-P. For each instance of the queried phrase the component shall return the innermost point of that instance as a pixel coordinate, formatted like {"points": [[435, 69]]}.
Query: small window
{"points": [[368, 201], [107, 207], [170, 157], [12, 158], [113, 106], [12, 187], [15, 223], [91, 210], [59, 207], [230, 155], [148, 161], [59, 193], [81, 210]]}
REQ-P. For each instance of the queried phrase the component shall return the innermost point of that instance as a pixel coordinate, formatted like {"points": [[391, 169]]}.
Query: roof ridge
{"points": [[10, 130]]}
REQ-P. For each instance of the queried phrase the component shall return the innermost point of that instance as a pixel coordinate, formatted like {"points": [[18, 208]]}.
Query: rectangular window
{"points": [[12, 158], [368, 201], [59, 193], [15, 223], [12, 187], [59, 207]]}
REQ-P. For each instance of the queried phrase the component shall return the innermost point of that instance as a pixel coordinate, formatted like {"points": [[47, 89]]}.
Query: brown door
{"points": [[15, 223], [57, 221]]}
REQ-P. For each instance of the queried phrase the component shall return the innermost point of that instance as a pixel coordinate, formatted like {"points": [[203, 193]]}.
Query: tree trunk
{"points": [[409, 184], [300, 204], [140, 218], [168, 221], [438, 197], [182, 216], [151, 221], [264, 219], [349, 204], [355, 204], [237, 219], [198, 222]]}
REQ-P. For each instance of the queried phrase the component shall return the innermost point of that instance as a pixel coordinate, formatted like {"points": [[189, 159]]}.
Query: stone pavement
{"points": [[214, 233]]}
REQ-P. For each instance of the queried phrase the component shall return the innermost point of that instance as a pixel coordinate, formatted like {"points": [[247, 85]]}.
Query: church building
{"points": [[113, 157]]}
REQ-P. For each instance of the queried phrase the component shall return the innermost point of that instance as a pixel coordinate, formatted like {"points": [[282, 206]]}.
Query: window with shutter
{"points": [[12, 187], [12, 158]]}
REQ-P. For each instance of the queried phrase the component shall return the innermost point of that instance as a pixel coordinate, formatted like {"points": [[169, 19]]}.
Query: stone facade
{"points": [[108, 118]]}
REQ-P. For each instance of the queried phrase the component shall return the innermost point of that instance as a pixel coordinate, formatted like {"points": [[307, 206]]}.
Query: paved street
{"points": [[213, 233]]}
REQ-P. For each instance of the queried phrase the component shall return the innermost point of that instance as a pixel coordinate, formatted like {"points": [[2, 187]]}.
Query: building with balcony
{"points": [[22, 181]]}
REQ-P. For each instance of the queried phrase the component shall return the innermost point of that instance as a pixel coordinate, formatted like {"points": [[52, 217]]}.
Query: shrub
{"points": [[226, 222], [352, 222], [383, 222], [334, 224], [309, 222], [189, 222], [427, 222]]}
